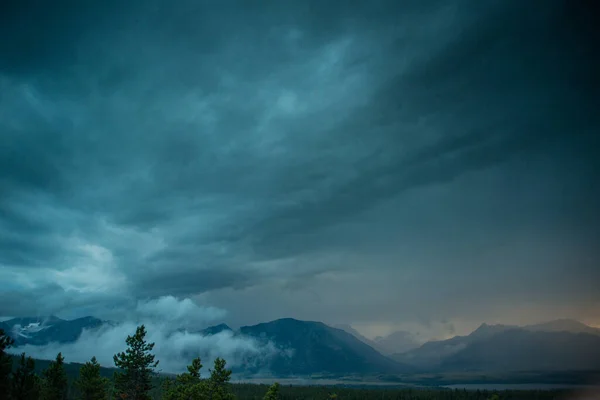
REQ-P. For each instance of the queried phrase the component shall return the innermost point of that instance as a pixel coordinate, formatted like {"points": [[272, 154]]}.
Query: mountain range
{"points": [[302, 347], [318, 348], [313, 348], [556, 345], [43, 330], [396, 342]]}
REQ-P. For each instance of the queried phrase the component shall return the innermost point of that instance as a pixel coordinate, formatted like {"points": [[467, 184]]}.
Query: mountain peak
{"points": [[213, 330], [46, 329], [563, 325], [309, 347], [290, 323], [563, 322], [485, 330], [483, 327], [42, 320], [289, 320]]}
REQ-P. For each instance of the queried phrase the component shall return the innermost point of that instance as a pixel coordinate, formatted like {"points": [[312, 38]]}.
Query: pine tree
{"points": [[187, 386], [91, 385], [136, 364], [55, 384], [6, 363], [25, 384], [194, 369], [273, 392], [218, 383]]}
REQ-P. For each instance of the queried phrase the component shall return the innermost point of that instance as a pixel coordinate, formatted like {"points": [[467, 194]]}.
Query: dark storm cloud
{"points": [[190, 279], [230, 149], [497, 91]]}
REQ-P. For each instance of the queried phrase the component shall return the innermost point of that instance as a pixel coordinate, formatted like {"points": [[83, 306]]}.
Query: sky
{"points": [[423, 165]]}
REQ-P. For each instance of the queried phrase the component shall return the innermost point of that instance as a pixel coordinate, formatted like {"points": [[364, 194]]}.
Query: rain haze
{"points": [[391, 165]]}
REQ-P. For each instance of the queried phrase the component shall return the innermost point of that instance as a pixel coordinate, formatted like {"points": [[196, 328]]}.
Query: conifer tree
{"points": [[25, 384], [6, 363], [91, 385], [187, 386], [55, 384], [218, 383], [273, 392], [136, 365], [194, 369]]}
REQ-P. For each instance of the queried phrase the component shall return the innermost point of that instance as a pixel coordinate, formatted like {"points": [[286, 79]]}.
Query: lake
{"points": [[520, 386]]}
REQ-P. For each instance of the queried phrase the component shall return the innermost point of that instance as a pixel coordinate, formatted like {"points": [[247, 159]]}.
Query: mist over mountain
{"points": [[229, 173], [384, 163], [522, 350], [44, 330], [314, 347], [395, 342], [215, 329], [554, 345], [291, 347], [563, 325], [359, 336], [282, 347]]}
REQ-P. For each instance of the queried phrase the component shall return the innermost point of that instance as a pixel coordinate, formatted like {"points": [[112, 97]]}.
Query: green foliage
{"points": [[194, 368], [5, 363], [25, 384], [136, 365], [187, 386], [190, 386], [273, 392], [54, 383], [249, 391], [218, 383], [91, 385]]}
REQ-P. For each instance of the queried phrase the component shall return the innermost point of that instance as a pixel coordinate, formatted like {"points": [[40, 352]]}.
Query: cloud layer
{"points": [[174, 349], [277, 160], [170, 325]]}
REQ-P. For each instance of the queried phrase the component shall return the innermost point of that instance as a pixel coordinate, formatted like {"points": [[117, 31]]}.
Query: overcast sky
{"points": [[386, 164]]}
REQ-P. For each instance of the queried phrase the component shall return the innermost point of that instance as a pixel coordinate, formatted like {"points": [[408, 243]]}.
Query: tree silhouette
{"points": [[187, 386], [25, 384], [91, 385], [55, 383], [5, 363], [136, 366], [218, 383], [273, 392]]}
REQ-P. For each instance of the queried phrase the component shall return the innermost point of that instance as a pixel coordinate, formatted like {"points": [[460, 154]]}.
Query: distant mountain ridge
{"points": [[523, 350], [213, 330], [43, 330], [563, 325], [318, 348], [395, 342], [554, 345], [356, 334], [301, 348]]}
